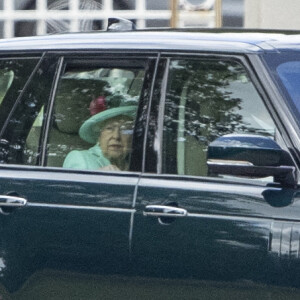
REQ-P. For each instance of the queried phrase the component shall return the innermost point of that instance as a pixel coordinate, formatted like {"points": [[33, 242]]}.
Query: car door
{"points": [[193, 224], [58, 222]]}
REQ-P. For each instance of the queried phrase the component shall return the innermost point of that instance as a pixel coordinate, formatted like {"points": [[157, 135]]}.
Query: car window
{"points": [[289, 74], [206, 99], [284, 69], [29, 83], [94, 114], [13, 75]]}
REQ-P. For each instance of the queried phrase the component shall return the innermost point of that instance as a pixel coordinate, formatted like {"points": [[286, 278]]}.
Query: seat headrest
{"points": [[73, 100]]}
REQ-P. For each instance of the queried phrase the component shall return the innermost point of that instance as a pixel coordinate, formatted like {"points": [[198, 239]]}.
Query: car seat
{"points": [[71, 109]]}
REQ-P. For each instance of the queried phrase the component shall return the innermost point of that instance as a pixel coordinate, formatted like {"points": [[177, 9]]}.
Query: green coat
{"points": [[91, 159]]}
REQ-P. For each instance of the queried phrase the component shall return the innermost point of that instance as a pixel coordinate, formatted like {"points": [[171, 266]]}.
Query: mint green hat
{"points": [[90, 129]]}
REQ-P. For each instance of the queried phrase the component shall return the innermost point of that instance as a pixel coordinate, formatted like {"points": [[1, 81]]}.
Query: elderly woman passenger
{"points": [[110, 131]]}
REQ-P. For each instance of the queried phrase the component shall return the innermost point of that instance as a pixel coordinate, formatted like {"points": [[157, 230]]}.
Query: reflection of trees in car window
{"points": [[205, 100]]}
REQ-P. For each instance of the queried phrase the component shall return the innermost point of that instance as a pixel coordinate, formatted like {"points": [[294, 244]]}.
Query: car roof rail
{"points": [[120, 24]]}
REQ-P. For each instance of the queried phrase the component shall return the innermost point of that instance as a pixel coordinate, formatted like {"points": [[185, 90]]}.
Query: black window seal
{"points": [[49, 110], [161, 114], [149, 113]]}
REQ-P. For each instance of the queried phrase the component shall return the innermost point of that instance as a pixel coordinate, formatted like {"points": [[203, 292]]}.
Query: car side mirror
{"points": [[251, 156]]}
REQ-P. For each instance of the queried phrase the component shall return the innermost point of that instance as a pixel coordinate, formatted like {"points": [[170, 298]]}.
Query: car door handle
{"points": [[164, 211], [12, 201]]}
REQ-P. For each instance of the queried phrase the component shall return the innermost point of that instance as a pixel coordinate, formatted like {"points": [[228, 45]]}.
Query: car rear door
{"points": [[191, 224], [60, 227]]}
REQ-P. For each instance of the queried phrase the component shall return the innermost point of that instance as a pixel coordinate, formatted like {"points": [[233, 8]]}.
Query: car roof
{"points": [[237, 41]]}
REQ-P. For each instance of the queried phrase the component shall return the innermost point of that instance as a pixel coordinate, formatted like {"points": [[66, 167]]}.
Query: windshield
{"points": [[285, 69], [289, 74]]}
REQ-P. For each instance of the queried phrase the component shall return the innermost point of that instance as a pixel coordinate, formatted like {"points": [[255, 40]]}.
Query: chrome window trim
{"points": [[81, 207]]}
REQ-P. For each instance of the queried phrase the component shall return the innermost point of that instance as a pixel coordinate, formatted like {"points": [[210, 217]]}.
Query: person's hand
{"points": [[110, 168]]}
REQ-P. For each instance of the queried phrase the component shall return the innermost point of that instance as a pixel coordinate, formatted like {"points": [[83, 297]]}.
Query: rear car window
{"points": [[28, 86], [14, 73], [88, 97]]}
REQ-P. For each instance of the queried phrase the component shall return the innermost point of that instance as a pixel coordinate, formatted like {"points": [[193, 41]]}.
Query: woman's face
{"points": [[116, 137]]}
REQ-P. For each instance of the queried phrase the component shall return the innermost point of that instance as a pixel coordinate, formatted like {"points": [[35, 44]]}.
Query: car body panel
{"points": [[81, 228], [234, 229], [175, 40], [69, 223], [231, 232]]}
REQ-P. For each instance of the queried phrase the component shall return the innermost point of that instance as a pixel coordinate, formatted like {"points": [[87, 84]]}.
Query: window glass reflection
{"points": [[94, 116], [205, 100], [21, 133]]}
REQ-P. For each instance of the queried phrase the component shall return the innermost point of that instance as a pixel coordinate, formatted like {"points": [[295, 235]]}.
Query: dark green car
{"points": [[197, 195]]}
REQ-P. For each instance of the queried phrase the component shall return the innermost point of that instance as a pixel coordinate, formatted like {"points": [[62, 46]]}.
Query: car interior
{"points": [[75, 92]]}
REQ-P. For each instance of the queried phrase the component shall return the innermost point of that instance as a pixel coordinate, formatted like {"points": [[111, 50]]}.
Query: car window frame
{"points": [[140, 130], [157, 114]]}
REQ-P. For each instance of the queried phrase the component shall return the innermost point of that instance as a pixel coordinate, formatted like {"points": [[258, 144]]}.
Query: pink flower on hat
{"points": [[97, 105]]}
